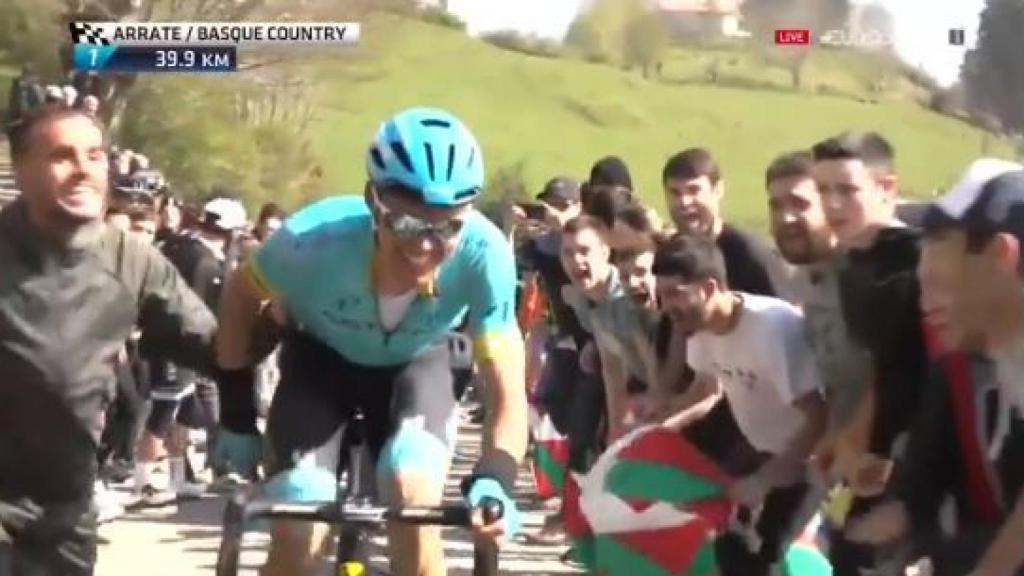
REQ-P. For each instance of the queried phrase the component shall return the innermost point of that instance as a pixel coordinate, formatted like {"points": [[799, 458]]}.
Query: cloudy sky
{"points": [[921, 35]]}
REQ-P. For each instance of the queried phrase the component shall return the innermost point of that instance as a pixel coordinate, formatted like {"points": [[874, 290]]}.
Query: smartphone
{"points": [[534, 210]]}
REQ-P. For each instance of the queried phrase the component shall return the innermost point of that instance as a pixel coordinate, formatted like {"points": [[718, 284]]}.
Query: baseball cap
{"points": [[225, 213], [988, 196], [560, 190], [912, 213]]}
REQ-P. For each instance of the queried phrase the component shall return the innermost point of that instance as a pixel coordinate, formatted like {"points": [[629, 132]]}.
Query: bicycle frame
{"points": [[352, 514], [243, 508]]}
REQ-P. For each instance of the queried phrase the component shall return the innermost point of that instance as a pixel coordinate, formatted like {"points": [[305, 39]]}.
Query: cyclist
{"points": [[371, 287]]}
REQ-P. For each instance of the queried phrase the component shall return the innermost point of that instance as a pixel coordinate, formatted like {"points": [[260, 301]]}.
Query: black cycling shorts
{"points": [[409, 410]]}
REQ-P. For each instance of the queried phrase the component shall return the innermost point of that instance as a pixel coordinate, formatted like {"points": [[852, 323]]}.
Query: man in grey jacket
{"points": [[71, 290]]}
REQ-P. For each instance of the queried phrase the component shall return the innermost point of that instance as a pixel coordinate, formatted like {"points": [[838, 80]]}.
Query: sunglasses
{"points": [[409, 227]]}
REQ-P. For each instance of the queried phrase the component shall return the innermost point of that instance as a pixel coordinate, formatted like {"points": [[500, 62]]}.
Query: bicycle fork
{"points": [[353, 541]]}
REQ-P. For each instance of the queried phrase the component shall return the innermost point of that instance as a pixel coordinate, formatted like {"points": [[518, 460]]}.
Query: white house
{"points": [[705, 19]]}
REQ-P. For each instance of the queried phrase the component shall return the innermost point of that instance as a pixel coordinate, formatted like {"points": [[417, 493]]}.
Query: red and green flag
{"points": [[650, 506], [551, 458]]}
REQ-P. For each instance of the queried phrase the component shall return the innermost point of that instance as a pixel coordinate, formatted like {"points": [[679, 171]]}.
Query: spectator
{"points": [[610, 171], [693, 189], [91, 104], [879, 298], [604, 308], [269, 220], [572, 399], [751, 349], [971, 440], [54, 94], [805, 240], [188, 400], [27, 93]]}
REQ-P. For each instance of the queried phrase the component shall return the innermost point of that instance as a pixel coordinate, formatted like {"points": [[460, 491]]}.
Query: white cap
{"points": [[230, 214], [966, 191]]}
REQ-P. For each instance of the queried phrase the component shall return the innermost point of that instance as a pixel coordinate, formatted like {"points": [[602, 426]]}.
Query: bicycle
{"points": [[354, 516]]}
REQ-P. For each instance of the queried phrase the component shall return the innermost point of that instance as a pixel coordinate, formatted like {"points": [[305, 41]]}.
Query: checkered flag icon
{"points": [[83, 33]]}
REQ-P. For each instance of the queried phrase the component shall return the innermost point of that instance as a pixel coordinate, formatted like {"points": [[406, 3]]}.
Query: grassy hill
{"points": [[559, 115]]}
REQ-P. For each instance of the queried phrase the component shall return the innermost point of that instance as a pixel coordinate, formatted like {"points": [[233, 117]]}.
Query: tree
{"points": [[993, 71], [645, 41], [875, 17], [583, 37], [27, 30], [763, 17], [611, 18]]}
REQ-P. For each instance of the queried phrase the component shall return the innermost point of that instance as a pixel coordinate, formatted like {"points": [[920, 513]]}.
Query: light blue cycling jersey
{"points": [[319, 265]]}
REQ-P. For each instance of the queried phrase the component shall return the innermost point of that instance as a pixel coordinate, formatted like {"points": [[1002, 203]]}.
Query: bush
{"points": [[949, 101], [583, 38], [435, 15], [516, 42], [211, 144], [508, 183]]}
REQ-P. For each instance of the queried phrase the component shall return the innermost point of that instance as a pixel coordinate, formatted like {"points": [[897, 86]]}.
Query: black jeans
{"points": [[774, 527], [50, 540], [584, 411], [125, 418]]}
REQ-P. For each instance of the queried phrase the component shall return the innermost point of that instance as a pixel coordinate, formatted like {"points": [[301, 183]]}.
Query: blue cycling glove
{"points": [[484, 487]]}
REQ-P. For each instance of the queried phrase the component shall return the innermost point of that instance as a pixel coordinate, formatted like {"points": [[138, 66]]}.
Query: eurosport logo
{"points": [[855, 39]]}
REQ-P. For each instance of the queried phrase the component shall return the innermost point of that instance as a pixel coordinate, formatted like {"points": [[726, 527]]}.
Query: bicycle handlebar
{"points": [[242, 507]]}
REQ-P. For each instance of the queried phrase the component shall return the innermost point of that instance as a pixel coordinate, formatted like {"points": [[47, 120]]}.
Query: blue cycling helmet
{"points": [[430, 151]]}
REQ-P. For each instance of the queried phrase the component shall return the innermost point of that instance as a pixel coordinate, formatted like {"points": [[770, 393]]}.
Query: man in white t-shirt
{"points": [[752, 350]]}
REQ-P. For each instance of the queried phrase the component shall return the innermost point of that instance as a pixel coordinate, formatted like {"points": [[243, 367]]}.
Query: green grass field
{"points": [[559, 115]]}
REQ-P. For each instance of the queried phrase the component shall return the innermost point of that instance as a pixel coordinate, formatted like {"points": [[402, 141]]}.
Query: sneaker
{"points": [[190, 490], [227, 483], [153, 497], [107, 502]]}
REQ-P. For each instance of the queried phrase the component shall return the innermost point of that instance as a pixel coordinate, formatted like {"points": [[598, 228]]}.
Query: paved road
{"points": [[182, 540]]}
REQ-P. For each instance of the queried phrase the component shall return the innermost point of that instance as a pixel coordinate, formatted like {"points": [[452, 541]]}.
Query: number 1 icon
{"points": [[95, 54]]}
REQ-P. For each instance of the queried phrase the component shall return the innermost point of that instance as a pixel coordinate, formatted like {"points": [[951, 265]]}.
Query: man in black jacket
{"points": [[878, 292], [71, 290], [971, 441]]}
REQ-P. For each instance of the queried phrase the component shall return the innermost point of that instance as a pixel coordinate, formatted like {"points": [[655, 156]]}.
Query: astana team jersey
{"points": [[319, 265]]}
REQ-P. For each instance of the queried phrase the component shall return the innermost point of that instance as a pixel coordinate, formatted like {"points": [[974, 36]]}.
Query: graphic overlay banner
{"points": [[240, 34], [155, 58], [194, 46]]}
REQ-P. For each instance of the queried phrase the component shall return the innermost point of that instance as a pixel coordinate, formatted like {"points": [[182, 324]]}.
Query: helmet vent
{"points": [[472, 156], [430, 159], [402, 154], [436, 123], [377, 159], [451, 160], [466, 194]]}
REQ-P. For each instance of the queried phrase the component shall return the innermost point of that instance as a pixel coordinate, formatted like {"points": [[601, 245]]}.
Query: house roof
{"points": [[715, 7]]}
